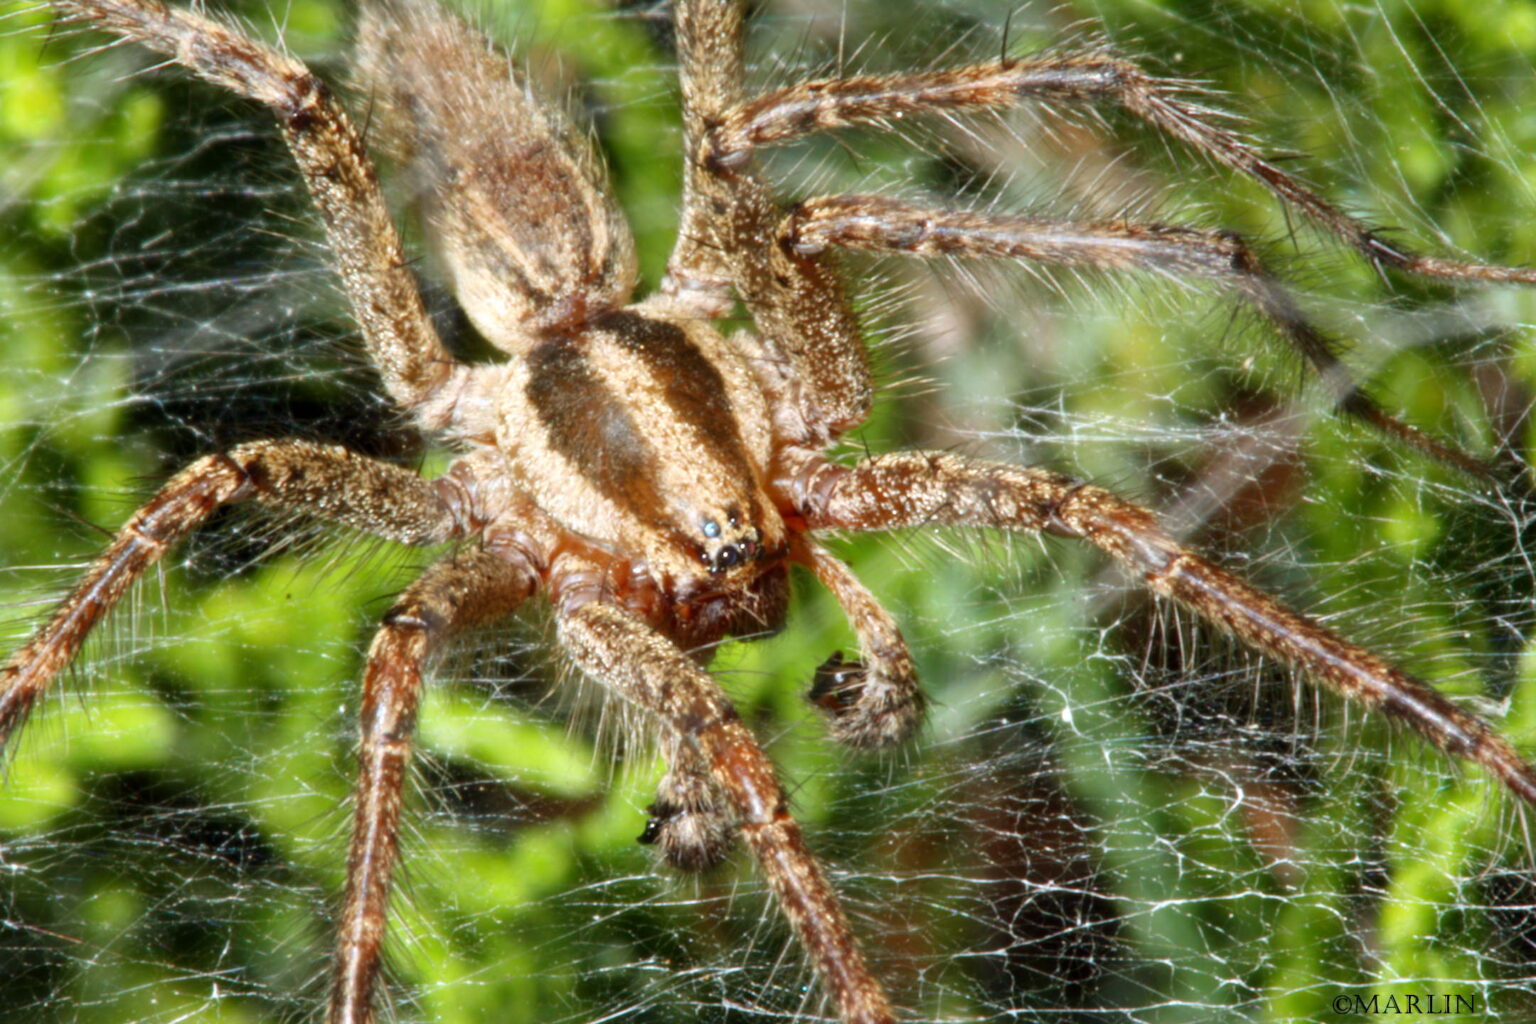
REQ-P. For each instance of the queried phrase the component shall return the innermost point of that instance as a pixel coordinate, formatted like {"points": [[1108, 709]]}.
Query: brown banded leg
{"points": [[937, 489], [1091, 77], [624, 654], [709, 70], [374, 271], [880, 224], [874, 701], [323, 480], [470, 589], [804, 322]]}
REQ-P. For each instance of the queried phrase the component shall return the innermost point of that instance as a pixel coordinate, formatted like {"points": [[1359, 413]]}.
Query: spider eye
{"points": [[711, 528]]}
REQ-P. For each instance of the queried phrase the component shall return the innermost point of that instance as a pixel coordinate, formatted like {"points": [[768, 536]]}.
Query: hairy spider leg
{"points": [[881, 224], [380, 287], [936, 489], [324, 480], [807, 335], [1098, 77], [641, 665], [1084, 77], [473, 588]]}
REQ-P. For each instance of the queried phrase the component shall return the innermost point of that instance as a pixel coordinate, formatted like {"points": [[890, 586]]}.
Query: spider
{"points": [[653, 479]]}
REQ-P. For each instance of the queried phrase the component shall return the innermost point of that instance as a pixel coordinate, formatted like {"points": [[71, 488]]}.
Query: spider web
{"points": [[1112, 815]]}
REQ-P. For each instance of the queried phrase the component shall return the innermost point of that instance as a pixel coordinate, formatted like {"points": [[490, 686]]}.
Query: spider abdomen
{"points": [[514, 197]]}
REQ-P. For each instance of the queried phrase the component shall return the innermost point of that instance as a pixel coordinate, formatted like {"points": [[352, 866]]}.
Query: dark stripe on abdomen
{"points": [[589, 425], [693, 388]]}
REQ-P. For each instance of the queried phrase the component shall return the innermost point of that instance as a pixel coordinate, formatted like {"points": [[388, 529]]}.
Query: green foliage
{"points": [[1086, 830]]}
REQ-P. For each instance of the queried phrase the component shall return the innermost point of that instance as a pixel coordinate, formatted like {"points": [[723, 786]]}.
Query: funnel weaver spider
{"points": [[653, 478]]}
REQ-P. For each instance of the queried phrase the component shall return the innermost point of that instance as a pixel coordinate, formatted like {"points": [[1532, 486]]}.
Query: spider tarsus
{"points": [[1356, 404], [693, 839], [690, 822], [864, 709]]}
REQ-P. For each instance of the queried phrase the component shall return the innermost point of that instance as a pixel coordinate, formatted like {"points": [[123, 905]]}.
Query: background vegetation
{"points": [[1111, 817]]}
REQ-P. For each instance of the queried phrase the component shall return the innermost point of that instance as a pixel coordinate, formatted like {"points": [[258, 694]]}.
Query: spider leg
{"points": [[709, 69], [881, 224], [469, 589], [1089, 76], [935, 489], [415, 366], [690, 822], [325, 480], [806, 326], [875, 702], [620, 651]]}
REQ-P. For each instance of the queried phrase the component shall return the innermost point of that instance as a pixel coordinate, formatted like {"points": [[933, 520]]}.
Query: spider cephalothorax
{"points": [[652, 478]]}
